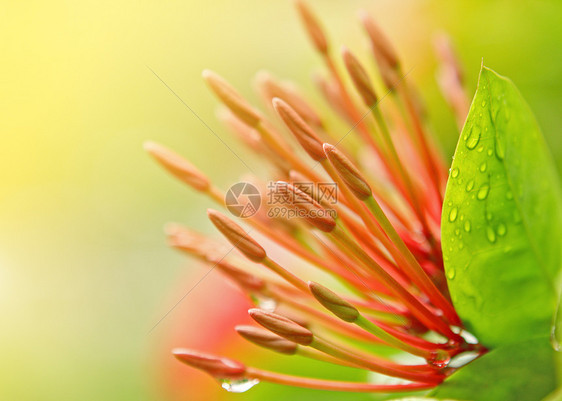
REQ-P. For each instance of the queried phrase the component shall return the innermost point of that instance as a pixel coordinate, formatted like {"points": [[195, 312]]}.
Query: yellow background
{"points": [[84, 268]]}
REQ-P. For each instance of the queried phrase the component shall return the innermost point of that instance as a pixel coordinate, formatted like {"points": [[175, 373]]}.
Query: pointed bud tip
{"points": [[304, 134], [282, 326], [267, 339], [218, 367], [177, 166], [348, 172], [231, 98], [237, 236], [313, 27], [334, 303], [360, 79]]}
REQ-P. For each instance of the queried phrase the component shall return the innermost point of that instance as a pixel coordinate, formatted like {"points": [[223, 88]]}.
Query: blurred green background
{"points": [[84, 269]]}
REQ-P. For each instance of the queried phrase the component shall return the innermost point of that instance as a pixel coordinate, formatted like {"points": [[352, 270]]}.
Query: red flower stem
{"points": [[434, 172], [320, 384], [418, 309], [312, 353], [410, 338], [356, 118], [416, 271], [413, 196], [288, 242], [283, 150], [375, 365], [336, 325], [390, 339], [285, 274]]}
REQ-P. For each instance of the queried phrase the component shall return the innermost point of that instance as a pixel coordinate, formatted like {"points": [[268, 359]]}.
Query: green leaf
{"points": [[501, 222], [518, 371], [523, 371]]}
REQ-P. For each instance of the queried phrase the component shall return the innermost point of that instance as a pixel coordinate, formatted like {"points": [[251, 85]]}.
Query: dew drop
{"points": [[266, 303], [457, 231], [467, 226], [455, 172], [490, 234], [470, 186], [458, 361], [483, 167], [440, 359], [483, 192], [509, 195], [483, 103], [453, 214], [238, 386], [489, 216], [473, 137], [450, 273], [502, 229], [480, 149]]}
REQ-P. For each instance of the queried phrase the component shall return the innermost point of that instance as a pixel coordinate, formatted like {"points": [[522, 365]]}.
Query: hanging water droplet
{"points": [[483, 103], [490, 152], [470, 186], [489, 216], [457, 232], [483, 192], [483, 167], [266, 303], [440, 359], [455, 172], [453, 214], [238, 386], [458, 361], [480, 149], [490, 234], [502, 229], [473, 137], [467, 226]]}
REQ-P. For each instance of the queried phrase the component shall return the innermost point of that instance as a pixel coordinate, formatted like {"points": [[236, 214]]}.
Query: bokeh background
{"points": [[84, 269]]}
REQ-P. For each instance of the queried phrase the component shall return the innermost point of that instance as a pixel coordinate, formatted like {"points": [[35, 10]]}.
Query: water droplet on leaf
{"points": [[502, 229], [483, 192], [453, 214], [490, 234], [473, 137]]}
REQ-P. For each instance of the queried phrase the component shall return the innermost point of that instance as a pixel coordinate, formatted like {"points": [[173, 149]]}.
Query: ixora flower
{"points": [[450, 277]]}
